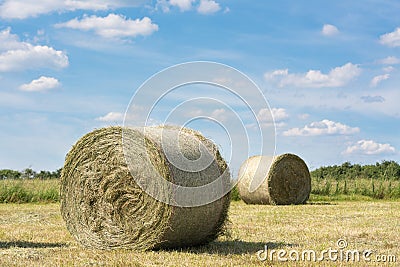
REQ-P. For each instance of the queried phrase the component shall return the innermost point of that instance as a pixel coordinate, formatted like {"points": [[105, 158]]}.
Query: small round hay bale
{"points": [[286, 181], [104, 207]]}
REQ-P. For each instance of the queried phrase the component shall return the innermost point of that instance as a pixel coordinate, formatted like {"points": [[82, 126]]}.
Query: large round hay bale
{"points": [[104, 207], [284, 180]]}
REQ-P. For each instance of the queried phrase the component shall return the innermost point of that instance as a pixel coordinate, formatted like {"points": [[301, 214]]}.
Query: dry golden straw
{"points": [[286, 181], [104, 207]]}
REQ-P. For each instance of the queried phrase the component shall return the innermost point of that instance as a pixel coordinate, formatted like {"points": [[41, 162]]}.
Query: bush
{"points": [[235, 194]]}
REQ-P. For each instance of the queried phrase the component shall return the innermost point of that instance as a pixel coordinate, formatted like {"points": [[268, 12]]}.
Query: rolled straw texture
{"points": [[104, 207], [286, 181]]}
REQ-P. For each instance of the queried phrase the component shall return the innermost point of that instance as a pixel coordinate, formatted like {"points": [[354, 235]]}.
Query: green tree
{"points": [[28, 173], [9, 174]]}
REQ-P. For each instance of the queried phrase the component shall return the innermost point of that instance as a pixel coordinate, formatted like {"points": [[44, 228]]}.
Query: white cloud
{"points": [[111, 117], [378, 79], [112, 26], [183, 5], [21, 9], [278, 114], [208, 7], [204, 7], [369, 147], [16, 55], [41, 84], [264, 115], [219, 114], [373, 99], [324, 127], [337, 77], [388, 69], [391, 60], [303, 116], [9, 41], [329, 30], [391, 39], [276, 74]]}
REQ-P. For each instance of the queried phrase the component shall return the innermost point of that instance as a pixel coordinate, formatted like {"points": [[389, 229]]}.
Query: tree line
{"points": [[385, 170], [28, 173]]}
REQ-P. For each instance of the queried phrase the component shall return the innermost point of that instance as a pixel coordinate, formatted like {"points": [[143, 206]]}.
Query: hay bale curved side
{"points": [[286, 181], [193, 225], [256, 166], [105, 208]]}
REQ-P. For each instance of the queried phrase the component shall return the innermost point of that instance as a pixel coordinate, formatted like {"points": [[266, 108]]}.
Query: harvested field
{"points": [[34, 234]]}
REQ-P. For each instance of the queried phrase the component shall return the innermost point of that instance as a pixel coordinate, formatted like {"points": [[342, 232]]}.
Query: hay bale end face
{"points": [[104, 207], [286, 181]]}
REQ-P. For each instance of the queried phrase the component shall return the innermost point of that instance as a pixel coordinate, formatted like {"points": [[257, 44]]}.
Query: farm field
{"points": [[35, 235]]}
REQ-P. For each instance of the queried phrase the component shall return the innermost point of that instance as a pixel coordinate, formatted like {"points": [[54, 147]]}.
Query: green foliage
{"points": [[378, 181], [28, 173], [347, 181], [388, 170], [376, 189], [27, 191], [9, 174], [235, 194]]}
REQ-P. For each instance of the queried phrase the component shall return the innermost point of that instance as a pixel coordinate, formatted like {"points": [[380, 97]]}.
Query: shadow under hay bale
{"points": [[283, 180], [104, 207]]}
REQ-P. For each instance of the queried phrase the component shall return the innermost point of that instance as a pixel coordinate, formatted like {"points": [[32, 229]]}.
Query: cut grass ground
{"points": [[35, 235]]}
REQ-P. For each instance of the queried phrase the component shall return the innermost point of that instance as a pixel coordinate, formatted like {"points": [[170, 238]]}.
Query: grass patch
{"points": [[356, 189], [361, 189], [327, 189], [29, 190], [338, 197], [235, 194]]}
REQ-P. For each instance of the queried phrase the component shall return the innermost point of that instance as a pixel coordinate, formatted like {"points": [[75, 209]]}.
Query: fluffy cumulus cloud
{"points": [[183, 5], [111, 117], [329, 30], [208, 7], [369, 147], [391, 39], [202, 6], [391, 60], [379, 78], [41, 84], [337, 77], [16, 55], [277, 114], [267, 117], [324, 127], [21, 9], [112, 26]]}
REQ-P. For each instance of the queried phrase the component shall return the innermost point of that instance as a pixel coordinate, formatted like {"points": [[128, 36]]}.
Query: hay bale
{"points": [[104, 207], [284, 180]]}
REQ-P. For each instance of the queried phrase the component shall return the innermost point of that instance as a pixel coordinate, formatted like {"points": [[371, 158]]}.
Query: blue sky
{"points": [[329, 70]]}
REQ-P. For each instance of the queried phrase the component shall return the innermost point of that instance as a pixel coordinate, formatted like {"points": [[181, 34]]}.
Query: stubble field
{"points": [[35, 235]]}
